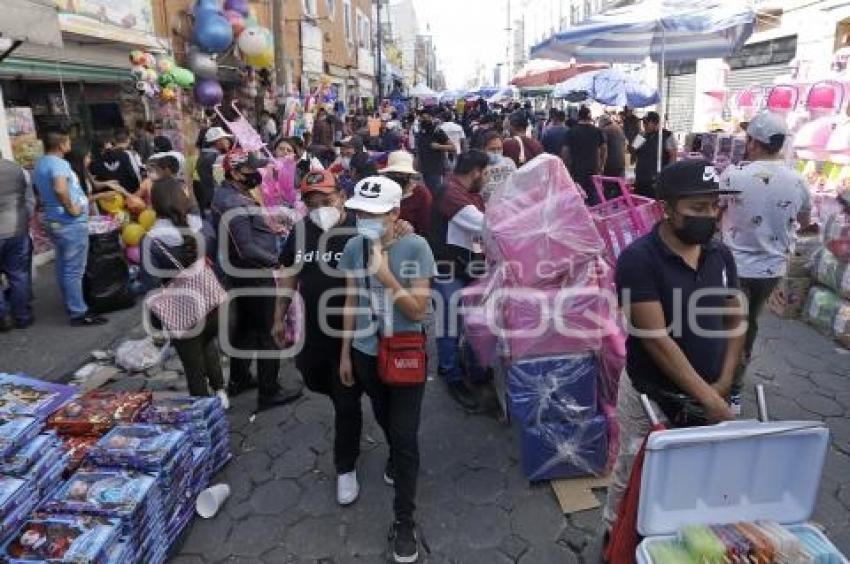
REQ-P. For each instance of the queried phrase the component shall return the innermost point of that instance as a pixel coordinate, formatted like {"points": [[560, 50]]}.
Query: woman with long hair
{"points": [[174, 239]]}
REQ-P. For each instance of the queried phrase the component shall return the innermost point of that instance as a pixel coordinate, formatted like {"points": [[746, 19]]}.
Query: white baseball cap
{"points": [[375, 194], [765, 125], [213, 134]]}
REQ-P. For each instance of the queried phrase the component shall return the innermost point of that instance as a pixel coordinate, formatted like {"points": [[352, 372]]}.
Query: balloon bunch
{"points": [[214, 32], [159, 76]]}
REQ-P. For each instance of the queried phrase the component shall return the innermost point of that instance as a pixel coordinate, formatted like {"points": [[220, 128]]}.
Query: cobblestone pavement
{"points": [[474, 505]]}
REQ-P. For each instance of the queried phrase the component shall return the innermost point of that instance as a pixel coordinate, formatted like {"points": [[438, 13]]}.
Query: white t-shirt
{"points": [[760, 223], [496, 176], [455, 134]]}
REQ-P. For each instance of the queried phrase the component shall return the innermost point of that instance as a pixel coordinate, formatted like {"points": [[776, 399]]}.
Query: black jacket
{"points": [[251, 243]]}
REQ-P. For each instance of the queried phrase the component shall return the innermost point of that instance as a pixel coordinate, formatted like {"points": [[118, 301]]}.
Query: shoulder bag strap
{"points": [[168, 254], [366, 277]]}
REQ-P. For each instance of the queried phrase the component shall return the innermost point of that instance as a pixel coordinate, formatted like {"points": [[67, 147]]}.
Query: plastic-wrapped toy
{"points": [[836, 236], [821, 308]]}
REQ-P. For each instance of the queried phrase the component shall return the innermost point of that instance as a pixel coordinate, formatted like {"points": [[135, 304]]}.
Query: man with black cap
{"points": [[760, 224], [645, 150], [679, 290], [251, 258]]}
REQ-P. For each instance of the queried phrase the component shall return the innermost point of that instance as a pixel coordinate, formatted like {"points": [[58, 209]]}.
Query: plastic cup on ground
{"points": [[211, 499]]}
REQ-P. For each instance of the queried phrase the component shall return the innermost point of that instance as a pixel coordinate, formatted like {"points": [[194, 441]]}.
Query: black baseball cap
{"points": [[690, 177]]}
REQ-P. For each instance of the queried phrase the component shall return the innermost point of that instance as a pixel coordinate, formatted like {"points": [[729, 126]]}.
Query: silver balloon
{"points": [[203, 65]]}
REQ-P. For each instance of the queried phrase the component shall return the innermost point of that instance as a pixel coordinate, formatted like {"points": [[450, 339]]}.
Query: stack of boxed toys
{"points": [[165, 453], [203, 418], [129, 496]]}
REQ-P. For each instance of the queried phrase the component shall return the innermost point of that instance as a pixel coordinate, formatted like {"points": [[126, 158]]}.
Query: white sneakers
{"points": [[222, 397], [347, 488]]}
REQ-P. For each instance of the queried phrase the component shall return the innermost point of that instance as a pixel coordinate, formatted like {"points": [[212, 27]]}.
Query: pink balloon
{"points": [[237, 21], [133, 254]]}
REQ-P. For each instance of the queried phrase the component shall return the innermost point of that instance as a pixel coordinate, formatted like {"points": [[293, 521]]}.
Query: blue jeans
{"points": [[449, 329], [71, 241], [15, 260]]}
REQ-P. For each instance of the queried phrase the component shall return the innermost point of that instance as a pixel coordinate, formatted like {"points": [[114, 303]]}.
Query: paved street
{"points": [[474, 504]]}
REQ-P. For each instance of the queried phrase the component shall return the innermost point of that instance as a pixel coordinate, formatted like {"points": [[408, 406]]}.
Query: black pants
{"points": [[757, 290], [252, 332], [320, 371], [397, 410], [201, 359]]}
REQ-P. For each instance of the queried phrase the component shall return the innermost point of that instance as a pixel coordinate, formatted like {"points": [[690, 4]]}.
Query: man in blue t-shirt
{"points": [[66, 222]]}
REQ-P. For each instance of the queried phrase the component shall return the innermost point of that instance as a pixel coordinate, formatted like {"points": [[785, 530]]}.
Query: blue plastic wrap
{"points": [[553, 389], [550, 451]]}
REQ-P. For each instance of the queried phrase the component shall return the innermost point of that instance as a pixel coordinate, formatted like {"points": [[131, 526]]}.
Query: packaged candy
{"points": [[61, 540], [145, 447], [670, 553], [20, 395], [15, 432], [21, 460], [95, 413]]}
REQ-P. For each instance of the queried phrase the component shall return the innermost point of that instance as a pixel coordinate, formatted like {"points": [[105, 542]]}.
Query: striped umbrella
{"points": [[677, 30]]}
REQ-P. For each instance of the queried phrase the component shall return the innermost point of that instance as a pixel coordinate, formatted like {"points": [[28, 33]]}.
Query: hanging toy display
{"points": [[241, 7], [212, 32], [203, 65], [209, 93], [159, 77]]}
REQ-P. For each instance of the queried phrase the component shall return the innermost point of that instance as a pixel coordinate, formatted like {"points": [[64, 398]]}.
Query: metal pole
{"points": [[279, 54], [380, 70], [663, 120]]}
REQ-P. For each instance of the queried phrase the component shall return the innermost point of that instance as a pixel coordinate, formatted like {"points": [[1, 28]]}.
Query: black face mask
{"points": [[252, 180], [696, 229], [428, 126]]}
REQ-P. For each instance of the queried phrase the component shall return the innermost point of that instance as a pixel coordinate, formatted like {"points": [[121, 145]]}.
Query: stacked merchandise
{"points": [[764, 542], [129, 496], [15, 432], [550, 295], [828, 304], [22, 396], [41, 462], [17, 500], [203, 418], [164, 452], [789, 297], [63, 539], [77, 449]]}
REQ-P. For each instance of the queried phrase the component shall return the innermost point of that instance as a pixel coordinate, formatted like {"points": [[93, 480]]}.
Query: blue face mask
{"points": [[372, 229]]}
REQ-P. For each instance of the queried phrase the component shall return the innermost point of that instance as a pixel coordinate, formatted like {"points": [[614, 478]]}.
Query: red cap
{"points": [[318, 181]]}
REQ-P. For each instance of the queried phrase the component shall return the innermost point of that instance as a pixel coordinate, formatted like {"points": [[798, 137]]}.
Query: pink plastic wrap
{"points": [[279, 183], [539, 226], [623, 219]]}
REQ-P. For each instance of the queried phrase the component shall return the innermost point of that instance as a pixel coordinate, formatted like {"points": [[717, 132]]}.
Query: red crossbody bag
{"points": [[402, 357]]}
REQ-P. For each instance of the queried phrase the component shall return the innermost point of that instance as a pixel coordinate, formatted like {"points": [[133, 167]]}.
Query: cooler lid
{"points": [[734, 471]]}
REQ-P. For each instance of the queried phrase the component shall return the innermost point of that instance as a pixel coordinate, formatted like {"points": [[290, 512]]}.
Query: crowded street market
{"points": [[406, 281]]}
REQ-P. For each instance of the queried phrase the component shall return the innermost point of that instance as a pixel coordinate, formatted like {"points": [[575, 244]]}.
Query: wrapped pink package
{"points": [[539, 226]]}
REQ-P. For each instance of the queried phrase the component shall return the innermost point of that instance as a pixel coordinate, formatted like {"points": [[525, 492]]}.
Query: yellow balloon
{"points": [[132, 234], [112, 204], [147, 219], [262, 61]]}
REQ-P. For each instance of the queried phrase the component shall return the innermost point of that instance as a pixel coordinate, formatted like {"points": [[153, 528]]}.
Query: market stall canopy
{"points": [[28, 21], [504, 95], [543, 72], [421, 90], [451, 95], [610, 87], [483, 91], [683, 30]]}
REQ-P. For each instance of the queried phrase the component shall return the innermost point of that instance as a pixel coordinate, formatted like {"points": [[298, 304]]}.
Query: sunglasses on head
{"points": [[314, 178]]}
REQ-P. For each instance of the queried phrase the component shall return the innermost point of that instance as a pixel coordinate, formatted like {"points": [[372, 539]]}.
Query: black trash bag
{"points": [[106, 284]]}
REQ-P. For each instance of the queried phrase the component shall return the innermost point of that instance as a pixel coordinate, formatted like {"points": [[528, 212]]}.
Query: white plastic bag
{"points": [[141, 354]]}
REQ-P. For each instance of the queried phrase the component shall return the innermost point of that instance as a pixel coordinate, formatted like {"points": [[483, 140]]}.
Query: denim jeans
{"points": [[397, 410], [449, 329], [15, 260], [71, 241]]}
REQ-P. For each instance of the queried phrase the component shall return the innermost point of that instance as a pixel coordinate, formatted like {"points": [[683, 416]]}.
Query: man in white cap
{"points": [[217, 142], [392, 297], [760, 223]]}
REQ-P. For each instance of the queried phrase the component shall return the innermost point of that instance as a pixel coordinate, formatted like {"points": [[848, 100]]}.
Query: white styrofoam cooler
{"points": [[731, 472]]}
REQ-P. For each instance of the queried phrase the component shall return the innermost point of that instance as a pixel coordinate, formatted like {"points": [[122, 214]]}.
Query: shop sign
{"points": [[365, 62], [124, 21], [312, 47]]}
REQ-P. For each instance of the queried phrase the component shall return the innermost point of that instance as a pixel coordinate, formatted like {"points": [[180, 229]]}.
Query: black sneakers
{"points": [[88, 321], [404, 546]]}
